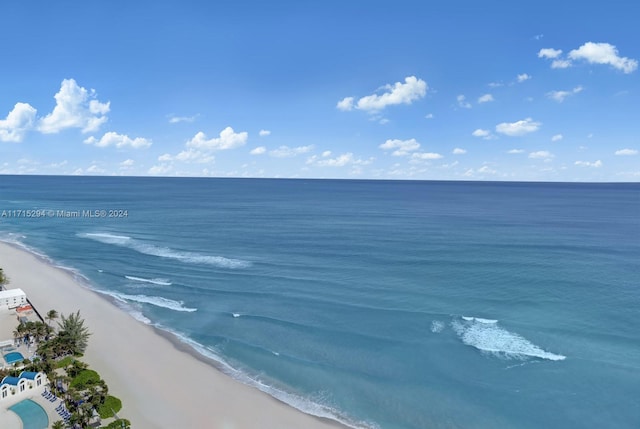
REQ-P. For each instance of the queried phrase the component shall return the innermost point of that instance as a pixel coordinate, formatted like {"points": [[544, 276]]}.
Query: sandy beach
{"points": [[160, 381]]}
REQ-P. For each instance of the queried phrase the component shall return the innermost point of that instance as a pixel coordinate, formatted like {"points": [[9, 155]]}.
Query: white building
{"points": [[12, 298]]}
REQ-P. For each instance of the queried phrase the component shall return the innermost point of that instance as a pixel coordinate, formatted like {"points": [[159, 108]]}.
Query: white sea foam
{"points": [[437, 326], [157, 281], [158, 301], [479, 319], [306, 405], [486, 336], [165, 252], [236, 314]]}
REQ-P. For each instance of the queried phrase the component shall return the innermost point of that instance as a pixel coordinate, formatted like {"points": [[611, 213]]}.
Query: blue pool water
{"points": [[32, 415], [13, 357]]}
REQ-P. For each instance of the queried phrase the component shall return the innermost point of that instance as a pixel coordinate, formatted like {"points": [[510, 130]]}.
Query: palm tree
{"points": [[51, 316], [73, 333], [75, 368], [58, 424], [4, 280], [40, 330]]}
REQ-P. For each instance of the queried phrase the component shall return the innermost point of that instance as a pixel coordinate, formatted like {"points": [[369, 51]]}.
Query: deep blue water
{"points": [[398, 305]]}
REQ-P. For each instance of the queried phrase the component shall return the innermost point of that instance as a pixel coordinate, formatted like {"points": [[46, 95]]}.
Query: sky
{"points": [[443, 90]]}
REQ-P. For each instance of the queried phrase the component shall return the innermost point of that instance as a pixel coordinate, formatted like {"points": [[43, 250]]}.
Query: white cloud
{"points": [[459, 151], [462, 102], [593, 53], [228, 139], [425, 156], [289, 152], [429, 116], [485, 134], [76, 107], [326, 153], [345, 104], [339, 161], [515, 151], [485, 98], [596, 164], [495, 84], [176, 119], [518, 128], [58, 164], [127, 163], [486, 170], [264, 133], [194, 156], [118, 140], [451, 165], [603, 53], [94, 169], [17, 123], [399, 93], [549, 53], [160, 170], [541, 154], [560, 64], [400, 147], [556, 138], [626, 152], [189, 155], [523, 77], [559, 96], [258, 150]]}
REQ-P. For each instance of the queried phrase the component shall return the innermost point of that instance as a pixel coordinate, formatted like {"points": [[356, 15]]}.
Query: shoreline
{"points": [[162, 380]]}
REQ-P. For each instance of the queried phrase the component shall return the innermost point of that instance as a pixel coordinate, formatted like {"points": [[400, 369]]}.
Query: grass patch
{"points": [[64, 362], [85, 378], [111, 404]]}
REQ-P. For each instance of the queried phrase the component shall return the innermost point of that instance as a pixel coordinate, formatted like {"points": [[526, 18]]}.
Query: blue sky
{"points": [[454, 90]]}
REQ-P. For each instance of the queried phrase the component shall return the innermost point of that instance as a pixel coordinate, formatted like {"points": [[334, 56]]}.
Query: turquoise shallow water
{"points": [[396, 305], [32, 415]]}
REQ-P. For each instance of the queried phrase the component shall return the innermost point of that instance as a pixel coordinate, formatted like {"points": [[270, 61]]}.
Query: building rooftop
{"points": [[8, 293]]}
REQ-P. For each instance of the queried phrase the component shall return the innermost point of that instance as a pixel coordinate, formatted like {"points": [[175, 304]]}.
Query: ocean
{"points": [[381, 304]]}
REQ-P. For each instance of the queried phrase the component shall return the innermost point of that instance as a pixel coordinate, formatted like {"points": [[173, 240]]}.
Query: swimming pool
{"points": [[13, 357], [33, 416]]}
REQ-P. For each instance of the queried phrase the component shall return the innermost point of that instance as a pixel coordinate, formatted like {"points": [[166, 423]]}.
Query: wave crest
{"points": [[486, 336], [157, 281], [158, 301], [165, 252]]}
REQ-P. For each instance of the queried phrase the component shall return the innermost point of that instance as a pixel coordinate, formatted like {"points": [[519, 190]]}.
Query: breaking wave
{"points": [[158, 301], [165, 252], [437, 326], [158, 281], [488, 337]]}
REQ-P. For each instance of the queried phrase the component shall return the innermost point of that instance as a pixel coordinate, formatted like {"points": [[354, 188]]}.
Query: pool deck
{"points": [[10, 420], [26, 351]]}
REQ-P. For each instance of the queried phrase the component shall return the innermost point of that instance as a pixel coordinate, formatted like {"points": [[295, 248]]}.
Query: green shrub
{"points": [[85, 378], [110, 404], [117, 424], [64, 362]]}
